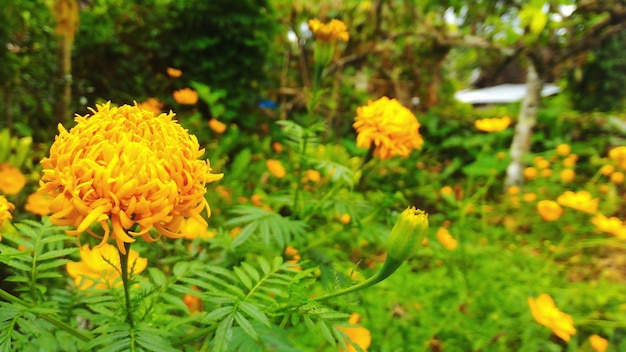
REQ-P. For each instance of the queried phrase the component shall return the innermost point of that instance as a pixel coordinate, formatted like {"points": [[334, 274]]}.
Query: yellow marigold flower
{"points": [[345, 219], [445, 238], [359, 336], [446, 191], [127, 170], [547, 314], [570, 161], [513, 190], [612, 225], [329, 32], [542, 163], [563, 149], [6, 208], [100, 267], [174, 72], [11, 179], [217, 126], [152, 104], [530, 173], [618, 155], [493, 125], [546, 173], [549, 210], [185, 96], [192, 228], [567, 175], [529, 197], [617, 178], [607, 169], [598, 343], [276, 168], [278, 147], [193, 302], [38, 203], [313, 175], [580, 200], [292, 255], [391, 127], [256, 200]]}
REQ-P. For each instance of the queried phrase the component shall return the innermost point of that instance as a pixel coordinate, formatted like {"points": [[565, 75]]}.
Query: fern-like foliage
{"points": [[301, 137], [270, 226]]}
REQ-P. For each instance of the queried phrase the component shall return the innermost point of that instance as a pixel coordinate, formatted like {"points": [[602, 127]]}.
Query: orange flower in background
{"points": [[152, 104], [38, 203], [292, 255], [581, 200], [563, 149], [192, 228], [278, 147], [174, 72], [612, 225], [193, 302], [329, 32], [570, 161], [618, 155], [546, 313], [445, 238], [185, 96], [567, 175], [598, 343], [389, 126], [100, 267], [11, 179], [217, 126], [617, 178], [345, 219], [276, 168], [6, 208], [359, 336], [530, 173], [313, 175], [128, 171], [607, 169], [493, 125], [549, 210]]}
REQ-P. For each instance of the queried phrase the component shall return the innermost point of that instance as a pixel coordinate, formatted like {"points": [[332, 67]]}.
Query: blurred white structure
{"points": [[502, 94]]}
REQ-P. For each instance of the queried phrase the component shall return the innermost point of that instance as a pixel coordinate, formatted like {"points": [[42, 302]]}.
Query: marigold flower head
{"points": [[617, 178], [567, 175], [530, 173], [345, 219], [127, 170], [549, 210], [185, 96], [38, 203], [547, 314], [174, 72], [193, 302], [598, 343], [607, 169], [6, 208], [563, 149], [391, 127], [618, 155], [581, 200], [217, 126], [570, 161], [100, 267], [611, 225], [445, 238], [493, 124], [358, 335], [192, 228], [313, 175], [11, 179], [541, 163], [329, 32], [276, 168]]}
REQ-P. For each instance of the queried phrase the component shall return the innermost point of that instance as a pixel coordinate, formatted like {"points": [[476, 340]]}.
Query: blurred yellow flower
{"points": [[612, 225], [529, 197], [100, 267], [193, 302], [570, 161], [292, 255], [278, 147], [127, 170], [445, 238], [598, 343], [11, 179], [359, 336], [607, 169], [345, 219], [329, 32], [313, 175], [563, 149], [446, 191], [581, 200], [567, 175], [174, 72], [513, 190], [391, 127], [192, 228], [530, 173], [6, 208], [185, 96], [152, 104], [38, 203], [546, 313], [546, 172], [618, 155], [276, 168], [493, 124], [549, 210], [542, 163], [617, 178], [217, 126]]}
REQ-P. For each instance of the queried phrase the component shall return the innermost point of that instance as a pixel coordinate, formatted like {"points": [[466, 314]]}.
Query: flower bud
{"points": [[407, 234]]}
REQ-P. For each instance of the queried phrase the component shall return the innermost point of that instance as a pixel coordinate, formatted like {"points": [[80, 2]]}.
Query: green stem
{"points": [[299, 174], [196, 335], [61, 325], [126, 281]]}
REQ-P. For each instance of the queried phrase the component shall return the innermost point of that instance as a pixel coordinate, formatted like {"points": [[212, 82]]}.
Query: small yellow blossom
{"points": [[563, 149], [546, 173], [193, 302], [446, 191], [11, 179], [445, 238], [192, 228], [607, 169], [152, 104], [547, 314], [530, 173], [100, 267], [345, 219], [549, 210], [313, 175], [567, 175], [359, 336], [598, 343], [278, 147], [389, 126], [276, 168], [174, 72], [217, 126], [292, 255], [256, 200], [185, 96], [128, 171], [38, 204], [529, 197], [611, 225], [617, 178], [570, 161], [329, 32], [513, 190], [618, 155], [493, 124], [581, 200], [6, 208]]}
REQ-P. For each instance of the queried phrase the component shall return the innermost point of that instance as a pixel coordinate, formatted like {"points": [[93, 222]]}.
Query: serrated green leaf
{"points": [[265, 266], [158, 277], [246, 326], [243, 277], [326, 332], [254, 312], [224, 334], [254, 274], [51, 264], [56, 253], [218, 314]]}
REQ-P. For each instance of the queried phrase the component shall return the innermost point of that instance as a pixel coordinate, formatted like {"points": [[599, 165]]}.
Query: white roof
{"points": [[502, 94]]}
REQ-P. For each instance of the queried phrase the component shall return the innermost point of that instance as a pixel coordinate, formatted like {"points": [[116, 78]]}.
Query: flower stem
{"points": [[126, 281], [61, 325]]}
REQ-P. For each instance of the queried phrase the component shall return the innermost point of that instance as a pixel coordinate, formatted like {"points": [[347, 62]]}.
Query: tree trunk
{"points": [[523, 129]]}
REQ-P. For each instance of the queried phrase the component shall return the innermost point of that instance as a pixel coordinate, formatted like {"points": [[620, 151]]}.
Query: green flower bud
{"points": [[407, 234]]}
